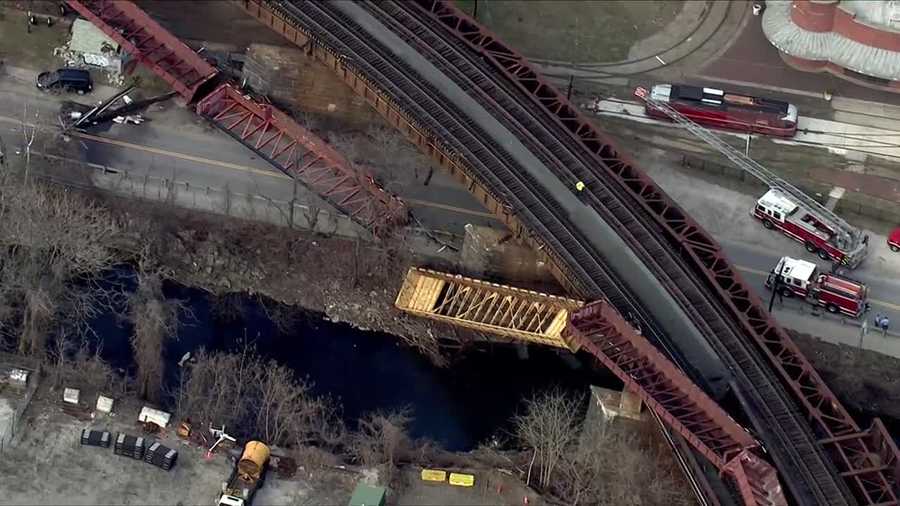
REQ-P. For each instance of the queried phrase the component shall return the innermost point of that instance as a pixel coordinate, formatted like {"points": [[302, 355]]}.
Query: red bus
{"points": [[721, 109]]}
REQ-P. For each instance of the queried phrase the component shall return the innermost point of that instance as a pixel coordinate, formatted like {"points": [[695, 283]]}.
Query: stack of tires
{"points": [[129, 446], [161, 456], [95, 438]]}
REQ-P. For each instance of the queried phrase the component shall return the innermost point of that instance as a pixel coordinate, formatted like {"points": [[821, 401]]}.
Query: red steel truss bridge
{"points": [[600, 331], [270, 133], [484, 114], [519, 146]]}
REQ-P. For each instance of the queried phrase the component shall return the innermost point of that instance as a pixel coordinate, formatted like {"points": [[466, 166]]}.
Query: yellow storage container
{"points": [[462, 480], [434, 475]]}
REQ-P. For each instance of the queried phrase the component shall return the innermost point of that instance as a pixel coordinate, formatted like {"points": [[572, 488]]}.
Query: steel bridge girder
{"points": [[116, 17], [747, 307], [278, 138], [599, 330]]}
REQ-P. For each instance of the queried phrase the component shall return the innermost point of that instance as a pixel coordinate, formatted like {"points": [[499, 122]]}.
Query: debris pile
{"points": [[90, 48]]}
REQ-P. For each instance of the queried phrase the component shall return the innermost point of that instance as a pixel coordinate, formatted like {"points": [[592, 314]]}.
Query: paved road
{"points": [[177, 145], [174, 144]]}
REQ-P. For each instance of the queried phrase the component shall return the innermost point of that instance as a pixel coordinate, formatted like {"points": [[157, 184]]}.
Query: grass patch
{"points": [[467, 6], [33, 50], [575, 30]]}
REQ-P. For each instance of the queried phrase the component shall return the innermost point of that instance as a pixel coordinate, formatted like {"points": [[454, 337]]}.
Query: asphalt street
{"points": [[176, 144]]}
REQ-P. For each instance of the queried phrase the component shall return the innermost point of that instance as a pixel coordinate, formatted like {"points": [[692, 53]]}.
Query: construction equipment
{"points": [[184, 429], [821, 230], [247, 477], [222, 439]]}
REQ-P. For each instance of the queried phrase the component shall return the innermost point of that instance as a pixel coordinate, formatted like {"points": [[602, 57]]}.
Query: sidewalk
{"points": [[867, 184], [834, 330], [871, 179]]}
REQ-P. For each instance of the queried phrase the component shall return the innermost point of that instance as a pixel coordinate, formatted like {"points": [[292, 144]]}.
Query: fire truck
{"points": [[778, 211], [837, 294], [784, 207]]}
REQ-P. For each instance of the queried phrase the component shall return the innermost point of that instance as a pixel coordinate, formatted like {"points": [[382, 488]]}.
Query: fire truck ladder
{"points": [[523, 315], [847, 237], [600, 330]]}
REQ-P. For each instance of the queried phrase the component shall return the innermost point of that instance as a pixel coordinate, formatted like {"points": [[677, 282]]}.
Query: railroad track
{"points": [[521, 192], [772, 411], [776, 420]]}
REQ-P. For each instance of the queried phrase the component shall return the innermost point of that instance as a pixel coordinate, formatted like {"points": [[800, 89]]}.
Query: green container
{"points": [[367, 495]]}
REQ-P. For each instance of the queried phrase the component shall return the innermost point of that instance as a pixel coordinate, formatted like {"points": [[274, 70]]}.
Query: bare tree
{"points": [[28, 132], [548, 426], [380, 440], [74, 364], [55, 245], [155, 321], [257, 398], [580, 462], [287, 412], [2, 154]]}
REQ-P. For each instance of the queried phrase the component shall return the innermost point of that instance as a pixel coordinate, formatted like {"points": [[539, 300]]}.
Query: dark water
{"points": [[458, 406]]}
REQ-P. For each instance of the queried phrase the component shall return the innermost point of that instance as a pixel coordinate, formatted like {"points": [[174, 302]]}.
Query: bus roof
{"points": [[710, 95]]}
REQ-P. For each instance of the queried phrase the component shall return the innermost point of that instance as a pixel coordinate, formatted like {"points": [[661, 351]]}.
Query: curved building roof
{"points": [[859, 19], [884, 14]]}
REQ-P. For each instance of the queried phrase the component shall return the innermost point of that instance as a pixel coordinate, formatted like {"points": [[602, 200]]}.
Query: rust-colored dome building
{"points": [[857, 40]]}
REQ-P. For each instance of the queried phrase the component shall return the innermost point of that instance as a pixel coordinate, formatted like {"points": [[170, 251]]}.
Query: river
{"points": [[458, 406]]}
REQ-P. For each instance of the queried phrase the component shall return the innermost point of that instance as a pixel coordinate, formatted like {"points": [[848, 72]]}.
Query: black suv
{"points": [[77, 80]]}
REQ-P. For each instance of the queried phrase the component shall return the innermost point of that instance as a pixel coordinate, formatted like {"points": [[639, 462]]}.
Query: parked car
{"points": [[76, 80], [893, 240]]}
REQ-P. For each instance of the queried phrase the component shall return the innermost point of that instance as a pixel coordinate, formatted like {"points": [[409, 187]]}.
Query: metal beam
{"points": [[822, 406], [300, 154], [121, 20], [600, 330], [506, 311]]}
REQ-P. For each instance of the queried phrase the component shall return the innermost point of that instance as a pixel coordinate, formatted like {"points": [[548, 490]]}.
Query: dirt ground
{"points": [[35, 49], [864, 380], [491, 488], [224, 22], [49, 466], [575, 30], [344, 280], [46, 464]]}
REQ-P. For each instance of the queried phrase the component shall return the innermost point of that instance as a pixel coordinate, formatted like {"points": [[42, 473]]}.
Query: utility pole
{"points": [[571, 83], [776, 286], [475, 11], [863, 330]]}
